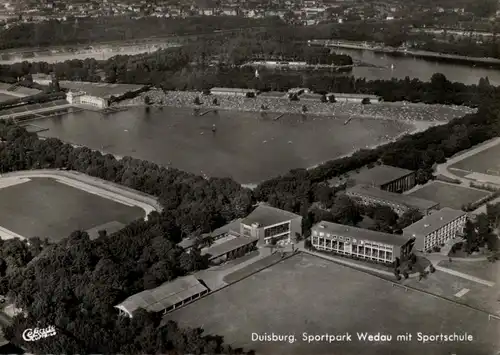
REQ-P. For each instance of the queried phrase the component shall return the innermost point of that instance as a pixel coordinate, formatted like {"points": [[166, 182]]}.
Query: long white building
{"points": [[360, 243]]}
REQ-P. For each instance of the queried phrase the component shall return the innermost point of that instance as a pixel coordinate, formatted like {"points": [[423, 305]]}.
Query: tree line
{"points": [[173, 69], [75, 284]]}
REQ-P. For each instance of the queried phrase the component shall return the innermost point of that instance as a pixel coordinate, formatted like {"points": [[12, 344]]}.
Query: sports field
{"points": [[308, 294], [486, 162], [46, 208], [4, 97], [449, 195]]}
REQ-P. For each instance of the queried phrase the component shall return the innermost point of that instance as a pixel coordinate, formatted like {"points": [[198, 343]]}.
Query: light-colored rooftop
{"points": [[239, 90], [266, 215], [400, 199], [164, 296], [360, 233], [433, 222]]}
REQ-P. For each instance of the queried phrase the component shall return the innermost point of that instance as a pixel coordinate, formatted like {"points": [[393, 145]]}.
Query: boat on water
{"points": [[214, 129]]}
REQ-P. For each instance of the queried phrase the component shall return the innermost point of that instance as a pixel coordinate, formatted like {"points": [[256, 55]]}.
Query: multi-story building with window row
{"points": [[436, 228], [369, 195], [271, 224], [361, 243]]}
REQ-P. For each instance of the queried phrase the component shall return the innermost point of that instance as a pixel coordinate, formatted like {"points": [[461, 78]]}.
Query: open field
{"points": [[486, 162], [449, 195], [4, 97], [46, 208], [447, 285], [483, 269], [308, 294]]}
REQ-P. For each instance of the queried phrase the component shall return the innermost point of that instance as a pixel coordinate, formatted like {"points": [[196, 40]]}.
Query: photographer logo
{"points": [[37, 333]]}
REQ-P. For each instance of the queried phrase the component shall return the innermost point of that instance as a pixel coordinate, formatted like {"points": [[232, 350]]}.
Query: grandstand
{"points": [[26, 110]]}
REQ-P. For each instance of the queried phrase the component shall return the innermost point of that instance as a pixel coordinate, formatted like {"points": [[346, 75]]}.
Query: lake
{"points": [[246, 146], [415, 68]]}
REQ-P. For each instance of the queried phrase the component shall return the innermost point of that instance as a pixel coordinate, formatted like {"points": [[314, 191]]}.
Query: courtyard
{"points": [[47, 208], [449, 195], [306, 294]]}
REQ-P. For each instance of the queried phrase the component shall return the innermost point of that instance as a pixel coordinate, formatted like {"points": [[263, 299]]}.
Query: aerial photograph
{"points": [[278, 177]]}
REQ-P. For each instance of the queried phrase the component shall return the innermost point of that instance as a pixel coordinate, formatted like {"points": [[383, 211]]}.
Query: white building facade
{"points": [[81, 98], [360, 243], [437, 228]]}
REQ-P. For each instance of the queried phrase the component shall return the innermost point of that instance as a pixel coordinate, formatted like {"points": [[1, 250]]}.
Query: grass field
{"points": [[4, 97], [45, 208], [308, 294], [486, 162], [483, 269], [449, 195]]}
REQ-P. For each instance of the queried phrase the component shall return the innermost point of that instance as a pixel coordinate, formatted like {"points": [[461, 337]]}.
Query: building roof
{"points": [[406, 200], [379, 175], [232, 90], [233, 225], [354, 96], [163, 296], [220, 249], [266, 215], [433, 222], [360, 233], [103, 90]]}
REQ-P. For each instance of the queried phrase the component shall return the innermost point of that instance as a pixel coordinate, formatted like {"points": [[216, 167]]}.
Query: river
{"points": [[246, 146], [415, 68]]}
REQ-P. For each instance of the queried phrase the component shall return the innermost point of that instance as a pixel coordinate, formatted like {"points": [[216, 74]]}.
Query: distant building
{"points": [[384, 177], [164, 298], [361, 243], [400, 203], [354, 98], [233, 92], [436, 228], [81, 98], [269, 224], [42, 79]]}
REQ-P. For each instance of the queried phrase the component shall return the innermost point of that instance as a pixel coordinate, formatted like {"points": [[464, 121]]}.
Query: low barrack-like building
{"points": [[360, 243], [164, 298], [233, 92], [436, 228], [269, 224], [384, 177], [369, 195], [236, 246]]}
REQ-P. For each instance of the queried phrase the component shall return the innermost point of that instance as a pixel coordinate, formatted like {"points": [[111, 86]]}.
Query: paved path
{"points": [[465, 276]]}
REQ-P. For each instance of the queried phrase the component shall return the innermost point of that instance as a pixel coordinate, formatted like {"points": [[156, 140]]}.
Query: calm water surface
{"points": [[416, 68], [246, 146]]}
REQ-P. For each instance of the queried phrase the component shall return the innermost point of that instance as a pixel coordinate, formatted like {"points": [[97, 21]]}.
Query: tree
{"points": [[197, 100], [147, 100], [304, 108], [409, 217], [331, 98], [323, 98]]}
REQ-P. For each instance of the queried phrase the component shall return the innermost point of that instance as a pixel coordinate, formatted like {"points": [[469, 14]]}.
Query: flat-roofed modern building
{"points": [[215, 235], [164, 298], [233, 247], [268, 223], [384, 177], [369, 195], [436, 228], [233, 92], [361, 243]]}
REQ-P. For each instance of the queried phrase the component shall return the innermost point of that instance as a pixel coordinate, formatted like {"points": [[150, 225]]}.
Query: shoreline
{"points": [[401, 111], [417, 128]]}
